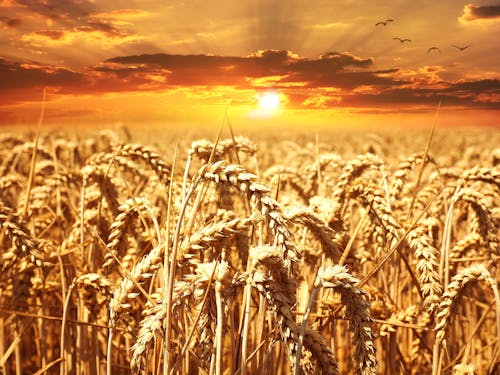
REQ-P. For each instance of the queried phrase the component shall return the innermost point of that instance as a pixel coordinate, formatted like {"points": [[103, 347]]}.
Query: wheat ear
{"points": [[258, 196], [270, 277], [464, 277], [358, 313], [427, 266]]}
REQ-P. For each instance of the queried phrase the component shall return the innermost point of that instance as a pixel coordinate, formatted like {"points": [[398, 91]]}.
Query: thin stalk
{"points": [[360, 224], [200, 194], [166, 256], [48, 366], [33, 156], [358, 227], [2, 344], [444, 266], [172, 269], [15, 343], [218, 328], [260, 326], [387, 256], [246, 322], [303, 326], [318, 167], [195, 322], [426, 153], [62, 368], [232, 137], [474, 330], [17, 349]]}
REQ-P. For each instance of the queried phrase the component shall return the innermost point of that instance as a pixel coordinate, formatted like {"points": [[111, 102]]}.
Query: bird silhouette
{"points": [[461, 48], [384, 23], [433, 49], [402, 40]]}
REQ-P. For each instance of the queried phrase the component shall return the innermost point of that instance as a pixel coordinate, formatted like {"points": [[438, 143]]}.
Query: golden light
{"points": [[269, 101]]}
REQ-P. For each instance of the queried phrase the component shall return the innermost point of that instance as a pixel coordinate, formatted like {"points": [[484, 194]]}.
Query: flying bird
{"points": [[461, 48], [384, 23], [402, 40], [432, 49]]}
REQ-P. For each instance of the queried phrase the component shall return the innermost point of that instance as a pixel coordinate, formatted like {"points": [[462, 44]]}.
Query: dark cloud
{"points": [[17, 76], [60, 10], [337, 69], [475, 12], [73, 16], [73, 11], [100, 29], [51, 34], [272, 61], [483, 94], [10, 22], [476, 87], [108, 27]]}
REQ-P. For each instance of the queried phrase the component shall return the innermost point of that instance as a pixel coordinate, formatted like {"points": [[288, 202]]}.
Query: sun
{"points": [[269, 101]]}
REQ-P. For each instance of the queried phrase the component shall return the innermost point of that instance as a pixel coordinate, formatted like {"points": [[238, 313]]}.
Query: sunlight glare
{"points": [[269, 101]]}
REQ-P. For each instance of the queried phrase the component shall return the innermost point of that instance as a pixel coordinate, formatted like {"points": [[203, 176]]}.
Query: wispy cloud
{"points": [[77, 35], [330, 26], [65, 23], [94, 30], [121, 14]]}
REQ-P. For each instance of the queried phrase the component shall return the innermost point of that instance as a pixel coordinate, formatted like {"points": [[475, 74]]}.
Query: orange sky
{"points": [[148, 62]]}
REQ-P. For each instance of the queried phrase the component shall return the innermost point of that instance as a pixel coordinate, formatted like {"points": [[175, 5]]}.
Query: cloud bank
{"points": [[329, 81]]}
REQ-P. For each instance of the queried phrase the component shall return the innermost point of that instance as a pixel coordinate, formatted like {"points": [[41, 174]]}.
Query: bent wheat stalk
{"points": [[459, 282]]}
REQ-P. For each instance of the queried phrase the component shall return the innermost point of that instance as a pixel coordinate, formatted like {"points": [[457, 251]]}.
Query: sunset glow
{"points": [[185, 61]]}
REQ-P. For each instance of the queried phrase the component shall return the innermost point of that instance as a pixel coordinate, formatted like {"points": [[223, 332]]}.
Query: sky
{"points": [[192, 62]]}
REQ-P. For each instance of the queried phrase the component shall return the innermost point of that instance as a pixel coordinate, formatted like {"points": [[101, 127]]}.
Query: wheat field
{"points": [[294, 253]]}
